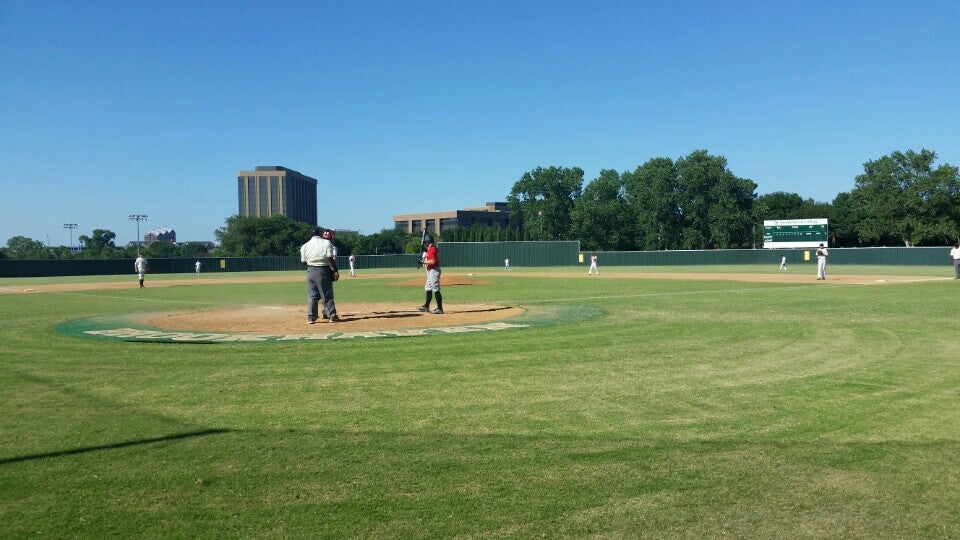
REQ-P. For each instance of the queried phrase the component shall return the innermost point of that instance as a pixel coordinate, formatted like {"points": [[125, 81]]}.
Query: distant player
{"points": [[783, 264], [197, 266], [593, 265], [140, 267], [506, 264], [822, 262], [955, 259], [353, 261]]}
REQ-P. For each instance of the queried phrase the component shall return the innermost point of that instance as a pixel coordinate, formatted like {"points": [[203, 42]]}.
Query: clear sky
{"points": [[111, 108]]}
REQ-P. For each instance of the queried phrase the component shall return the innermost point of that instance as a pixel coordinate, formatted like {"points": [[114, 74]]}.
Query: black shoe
{"points": [[422, 308], [335, 318], [311, 321], [437, 311]]}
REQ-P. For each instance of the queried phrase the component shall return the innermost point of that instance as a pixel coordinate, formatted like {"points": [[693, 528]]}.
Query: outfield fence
{"points": [[492, 254], [896, 256]]}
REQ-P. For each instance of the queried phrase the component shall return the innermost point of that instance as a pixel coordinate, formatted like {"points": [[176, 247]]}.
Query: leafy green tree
{"points": [[779, 205], [249, 236], [652, 193], [192, 250], [387, 242], [543, 200], [600, 216], [21, 247], [99, 244], [413, 245], [844, 216], [60, 252], [716, 205], [162, 250], [903, 196]]}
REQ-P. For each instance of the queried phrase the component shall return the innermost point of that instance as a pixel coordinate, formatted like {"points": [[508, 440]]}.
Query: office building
{"points": [[277, 191], [494, 213], [163, 234]]}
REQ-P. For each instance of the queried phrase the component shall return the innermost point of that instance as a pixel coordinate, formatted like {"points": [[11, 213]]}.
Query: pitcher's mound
{"points": [[354, 317]]}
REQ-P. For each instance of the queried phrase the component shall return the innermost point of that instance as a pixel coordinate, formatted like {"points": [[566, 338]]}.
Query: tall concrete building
{"points": [[271, 190]]}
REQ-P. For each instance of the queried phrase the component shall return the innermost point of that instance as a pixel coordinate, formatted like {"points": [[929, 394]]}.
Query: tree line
{"points": [[694, 202]]}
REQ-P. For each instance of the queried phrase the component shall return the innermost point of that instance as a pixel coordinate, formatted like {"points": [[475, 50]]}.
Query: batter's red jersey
{"points": [[433, 254]]}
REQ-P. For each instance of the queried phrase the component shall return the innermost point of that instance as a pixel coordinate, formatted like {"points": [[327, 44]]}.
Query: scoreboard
{"points": [[794, 233]]}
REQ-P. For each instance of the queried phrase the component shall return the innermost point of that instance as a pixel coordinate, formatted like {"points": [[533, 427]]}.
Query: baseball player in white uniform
{"points": [[140, 267], [955, 259], [783, 263], [197, 266], [593, 265], [352, 260], [822, 262]]}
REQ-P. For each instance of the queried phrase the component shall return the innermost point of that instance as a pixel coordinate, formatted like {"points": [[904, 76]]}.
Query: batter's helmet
{"points": [[327, 234], [428, 239]]}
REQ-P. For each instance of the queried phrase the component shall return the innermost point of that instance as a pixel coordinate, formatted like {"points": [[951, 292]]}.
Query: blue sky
{"points": [[116, 108]]}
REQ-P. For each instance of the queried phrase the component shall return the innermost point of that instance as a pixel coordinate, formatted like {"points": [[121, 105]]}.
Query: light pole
{"points": [[70, 226], [138, 218]]}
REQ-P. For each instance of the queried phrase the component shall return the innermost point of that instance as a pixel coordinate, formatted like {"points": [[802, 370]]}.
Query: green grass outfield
{"points": [[686, 408]]}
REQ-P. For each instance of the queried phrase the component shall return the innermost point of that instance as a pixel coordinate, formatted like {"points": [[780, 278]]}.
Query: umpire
{"points": [[319, 254]]}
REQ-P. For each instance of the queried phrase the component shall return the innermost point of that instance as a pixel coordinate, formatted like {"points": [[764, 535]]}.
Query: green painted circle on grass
{"points": [[130, 327]]}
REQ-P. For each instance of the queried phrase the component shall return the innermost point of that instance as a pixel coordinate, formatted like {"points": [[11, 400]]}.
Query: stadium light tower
{"points": [[138, 218], [70, 226]]}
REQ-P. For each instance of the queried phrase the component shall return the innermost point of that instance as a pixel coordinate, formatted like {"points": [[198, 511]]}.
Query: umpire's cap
{"points": [[314, 231]]}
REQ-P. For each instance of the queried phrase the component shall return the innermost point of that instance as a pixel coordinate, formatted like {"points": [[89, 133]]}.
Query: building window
{"points": [[401, 225], [274, 195], [251, 196], [448, 223], [240, 192], [262, 190]]}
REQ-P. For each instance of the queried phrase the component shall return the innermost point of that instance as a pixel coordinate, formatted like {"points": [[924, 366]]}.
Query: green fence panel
{"points": [[529, 254], [105, 267], [371, 262], [898, 256]]}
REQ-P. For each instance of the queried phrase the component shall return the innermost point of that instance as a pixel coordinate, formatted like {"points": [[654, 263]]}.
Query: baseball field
{"points": [[666, 403]]}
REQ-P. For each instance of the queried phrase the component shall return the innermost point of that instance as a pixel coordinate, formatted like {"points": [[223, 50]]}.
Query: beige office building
{"points": [[494, 213], [272, 190]]}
